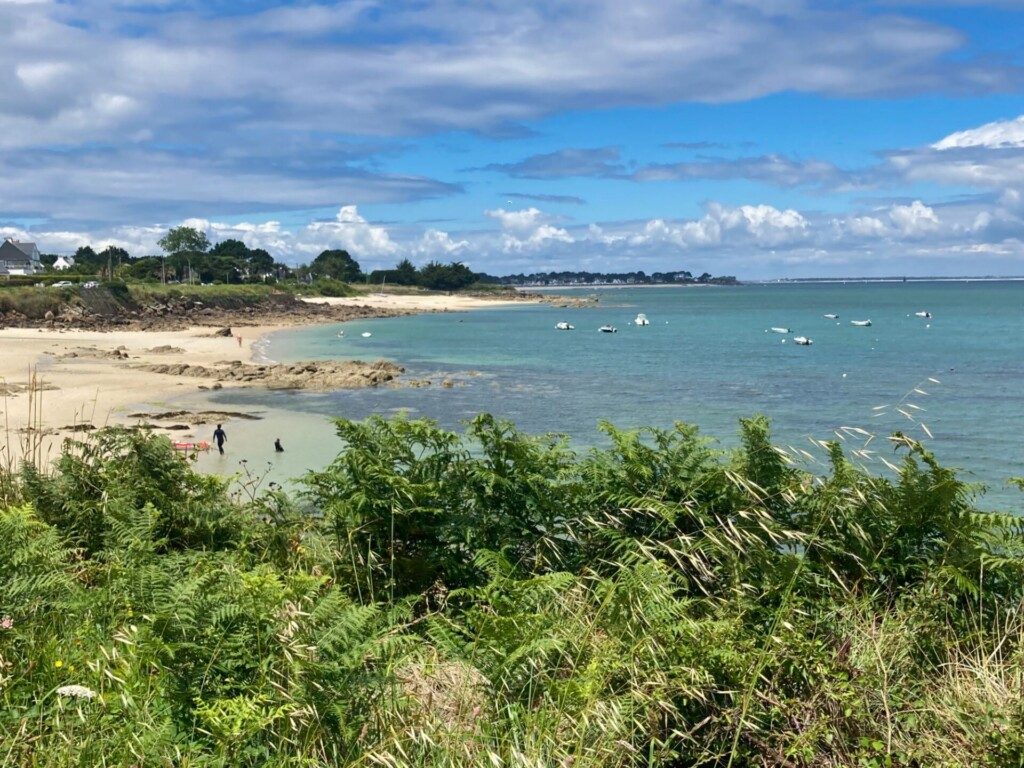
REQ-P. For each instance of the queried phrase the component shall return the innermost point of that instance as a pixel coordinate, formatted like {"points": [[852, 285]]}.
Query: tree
{"points": [[405, 273], [260, 262], [231, 248], [338, 265], [446, 277], [183, 239]]}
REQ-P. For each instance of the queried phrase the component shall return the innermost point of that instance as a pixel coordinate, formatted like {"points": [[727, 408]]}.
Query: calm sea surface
{"points": [[706, 358]]}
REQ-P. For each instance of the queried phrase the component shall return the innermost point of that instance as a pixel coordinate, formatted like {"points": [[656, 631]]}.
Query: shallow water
{"points": [[706, 358]]}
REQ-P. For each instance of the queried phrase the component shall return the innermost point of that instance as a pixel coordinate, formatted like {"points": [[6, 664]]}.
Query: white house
{"points": [[64, 262], [19, 258]]}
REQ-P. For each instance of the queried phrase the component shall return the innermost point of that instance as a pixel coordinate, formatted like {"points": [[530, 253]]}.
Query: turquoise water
{"points": [[707, 359]]}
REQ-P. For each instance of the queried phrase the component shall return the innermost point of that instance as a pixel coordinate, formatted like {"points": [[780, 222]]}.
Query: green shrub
{"points": [[493, 598]]}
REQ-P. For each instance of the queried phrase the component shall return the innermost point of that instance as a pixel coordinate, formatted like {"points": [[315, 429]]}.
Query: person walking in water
{"points": [[277, 445], [220, 437]]}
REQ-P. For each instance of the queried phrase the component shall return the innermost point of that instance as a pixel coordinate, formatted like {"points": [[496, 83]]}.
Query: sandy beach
{"points": [[89, 378], [415, 302]]}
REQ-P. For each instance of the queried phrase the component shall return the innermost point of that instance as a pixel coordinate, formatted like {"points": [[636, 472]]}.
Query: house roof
{"points": [[27, 248]]}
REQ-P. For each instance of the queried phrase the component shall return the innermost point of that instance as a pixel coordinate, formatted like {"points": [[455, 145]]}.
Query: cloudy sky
{"points": [[761, 138]]}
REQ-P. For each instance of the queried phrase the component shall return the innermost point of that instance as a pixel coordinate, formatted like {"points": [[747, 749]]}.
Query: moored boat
{"points": [[777, 329], [641, 319], [832, 316], [608, 329], [563, 326], [861, 323], [803, 341]]}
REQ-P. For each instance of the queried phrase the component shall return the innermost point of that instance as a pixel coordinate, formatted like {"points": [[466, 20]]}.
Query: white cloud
{"points": [[913, 220], [348, 231], [865, 226], [437, 244], [767, 224], [999, 134], [527, 229]]}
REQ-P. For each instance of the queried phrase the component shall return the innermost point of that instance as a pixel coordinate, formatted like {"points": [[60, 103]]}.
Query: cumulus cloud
{"points": [[755, 240], [349, 231], [995, 135], [914, 220], [435, 244], [527, 229]]}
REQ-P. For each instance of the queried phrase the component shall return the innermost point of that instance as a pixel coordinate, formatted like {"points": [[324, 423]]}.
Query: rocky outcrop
{"points": [[320, 376]]}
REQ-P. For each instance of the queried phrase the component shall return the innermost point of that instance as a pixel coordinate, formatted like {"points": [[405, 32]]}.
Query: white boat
{"points": [[641, 319], [341, 334], [803, 341], [565, 326], [366, 334], [608, 329], [780, 330], [861, 323], [923, 314], [832, 316]]}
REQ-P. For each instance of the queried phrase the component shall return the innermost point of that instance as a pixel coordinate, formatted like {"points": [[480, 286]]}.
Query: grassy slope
{"points": [[494, 599]]}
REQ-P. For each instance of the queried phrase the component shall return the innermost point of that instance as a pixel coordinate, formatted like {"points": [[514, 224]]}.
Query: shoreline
{"points": [[58, 383]]}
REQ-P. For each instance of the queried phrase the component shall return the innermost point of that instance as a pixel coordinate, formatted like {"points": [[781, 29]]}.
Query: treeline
{"points": [[612, 278], [189, 257], [495, 599]]}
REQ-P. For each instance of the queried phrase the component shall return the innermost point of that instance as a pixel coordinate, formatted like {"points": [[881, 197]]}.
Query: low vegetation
{"points": [[495, 599]]}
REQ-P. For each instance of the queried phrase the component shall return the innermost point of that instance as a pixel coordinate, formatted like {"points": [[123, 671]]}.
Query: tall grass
{"points": [[493, 598]]}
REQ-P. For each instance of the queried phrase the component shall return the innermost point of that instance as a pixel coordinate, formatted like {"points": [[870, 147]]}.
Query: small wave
{"points": [[261, 350]]}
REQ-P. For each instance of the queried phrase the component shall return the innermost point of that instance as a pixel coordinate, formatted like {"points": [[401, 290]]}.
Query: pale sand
{"points": [[103, 391], [99, 390], [414, 302]]}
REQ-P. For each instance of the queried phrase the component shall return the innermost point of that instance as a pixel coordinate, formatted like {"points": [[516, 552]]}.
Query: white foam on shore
{"points": [[261, 350]]}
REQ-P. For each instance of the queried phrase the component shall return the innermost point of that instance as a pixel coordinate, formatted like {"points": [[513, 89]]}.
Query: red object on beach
{"points": [[181, 445]]}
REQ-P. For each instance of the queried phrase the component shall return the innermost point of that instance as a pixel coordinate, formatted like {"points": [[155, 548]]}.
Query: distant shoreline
{"points": [[609, 286], [833, 280]]}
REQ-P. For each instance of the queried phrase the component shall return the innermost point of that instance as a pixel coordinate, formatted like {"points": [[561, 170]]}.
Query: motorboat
{"points": [[608, 329], [780, 330], [803, 341], [641, 319], [861, 323], [832, 316], [366, 334], [565, 326], [927, 315]]}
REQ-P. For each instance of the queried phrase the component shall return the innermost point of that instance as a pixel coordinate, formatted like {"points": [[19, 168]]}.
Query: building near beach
{"points": [[63, 262], [17, 258]]}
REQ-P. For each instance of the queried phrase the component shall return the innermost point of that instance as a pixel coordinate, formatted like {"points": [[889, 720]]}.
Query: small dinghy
{"points": [[832, 316], [366, 334], [780, 330], [641, 319], [861, 323], [608, 329], [927, 315], [803, 341], [184, 445], [565, 326]]}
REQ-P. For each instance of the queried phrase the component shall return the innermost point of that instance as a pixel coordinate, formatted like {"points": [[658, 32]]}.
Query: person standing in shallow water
{"points": [[220, 437], [277, 445]]}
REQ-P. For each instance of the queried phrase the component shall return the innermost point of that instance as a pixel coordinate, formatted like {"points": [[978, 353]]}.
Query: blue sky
{"points": [[762, 139]]}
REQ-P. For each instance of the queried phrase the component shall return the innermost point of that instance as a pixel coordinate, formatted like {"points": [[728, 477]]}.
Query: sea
{"points": [[709, 357]]}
